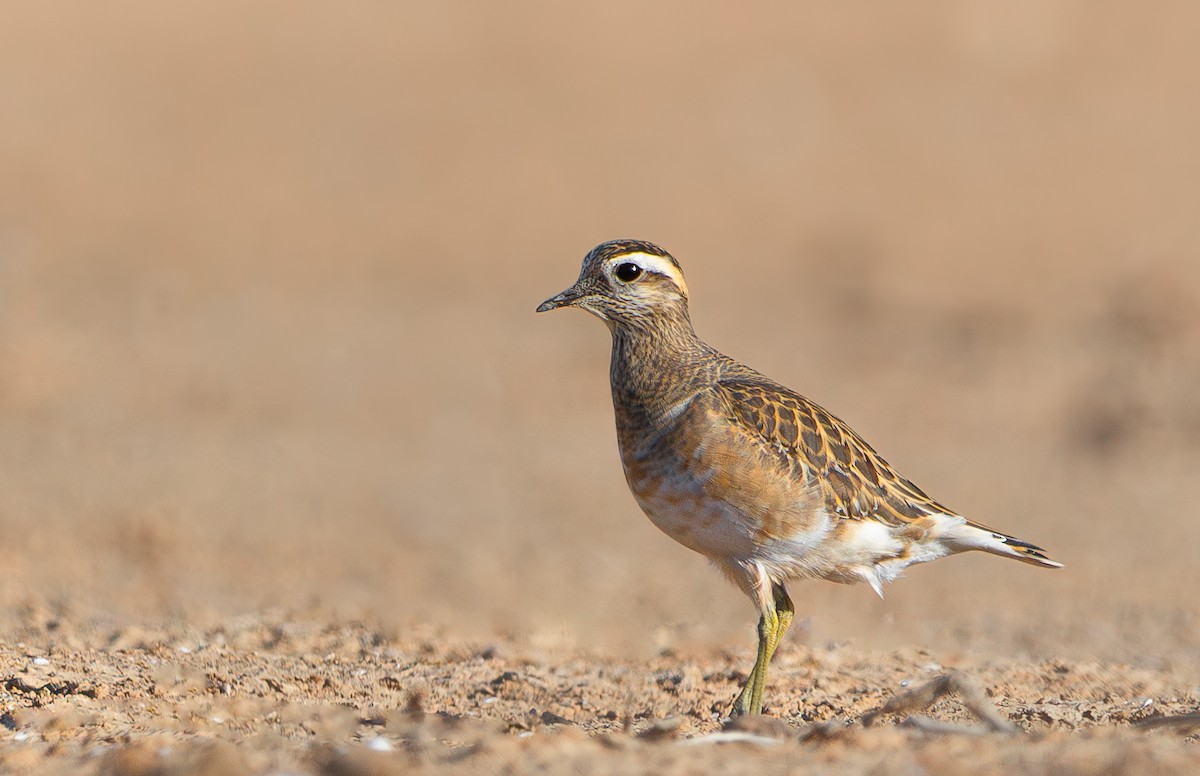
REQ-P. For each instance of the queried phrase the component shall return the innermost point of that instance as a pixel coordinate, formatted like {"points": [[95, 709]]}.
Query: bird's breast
{"points": [[714, 491], [676, 502]]}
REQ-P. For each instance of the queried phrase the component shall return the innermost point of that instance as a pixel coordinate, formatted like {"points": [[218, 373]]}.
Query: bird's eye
{"points": [[627, 272]]}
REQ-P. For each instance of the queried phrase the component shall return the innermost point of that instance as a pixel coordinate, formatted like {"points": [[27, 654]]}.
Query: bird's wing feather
{"points": [[811, 443]]}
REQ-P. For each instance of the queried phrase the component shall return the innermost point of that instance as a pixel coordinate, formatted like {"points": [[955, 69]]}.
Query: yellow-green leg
{"points": [[775, 619]]}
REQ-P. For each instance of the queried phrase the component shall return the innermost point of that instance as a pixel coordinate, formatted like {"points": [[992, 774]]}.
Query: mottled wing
{"points": [[813, 444]]}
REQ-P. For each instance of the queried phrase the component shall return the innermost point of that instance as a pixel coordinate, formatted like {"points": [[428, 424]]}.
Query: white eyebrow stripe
{"points": [[652, 263]]}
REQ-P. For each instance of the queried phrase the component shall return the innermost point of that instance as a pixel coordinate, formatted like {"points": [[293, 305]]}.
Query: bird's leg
{"points": [[749, 700], [785, 610], [776, 617]]}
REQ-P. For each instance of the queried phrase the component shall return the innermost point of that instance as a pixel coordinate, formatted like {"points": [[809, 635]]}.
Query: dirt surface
{"points": [[293, 481], [269, 694]]}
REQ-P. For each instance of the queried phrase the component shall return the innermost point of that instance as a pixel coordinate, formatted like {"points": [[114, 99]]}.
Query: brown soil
{"points": [[294, 480], [273, 695]]}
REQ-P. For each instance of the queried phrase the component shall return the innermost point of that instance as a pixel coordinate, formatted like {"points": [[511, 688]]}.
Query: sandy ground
{"points": [[269, 694], [294, 480]]}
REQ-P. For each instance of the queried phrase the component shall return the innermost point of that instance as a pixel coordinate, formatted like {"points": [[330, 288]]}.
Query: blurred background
{"points": [[268, 272]]}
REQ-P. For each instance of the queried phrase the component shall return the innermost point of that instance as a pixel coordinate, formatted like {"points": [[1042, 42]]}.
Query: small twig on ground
{"points": [[923, 697], [1179, 721], [938, 727], [731, 737]]}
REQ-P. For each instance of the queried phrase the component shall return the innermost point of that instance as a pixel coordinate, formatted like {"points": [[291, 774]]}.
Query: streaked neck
{"points": [[656, 363]]}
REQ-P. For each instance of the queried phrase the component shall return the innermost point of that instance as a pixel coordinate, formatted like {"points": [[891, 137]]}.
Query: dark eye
{"points": [[627, 272]]}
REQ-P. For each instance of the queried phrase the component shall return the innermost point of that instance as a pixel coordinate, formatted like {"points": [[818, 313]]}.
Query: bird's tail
{"points": [[972, 536]]}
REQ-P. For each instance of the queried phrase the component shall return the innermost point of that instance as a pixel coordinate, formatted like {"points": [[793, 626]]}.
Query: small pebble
{"points": [[379, 744], [41, 661]]}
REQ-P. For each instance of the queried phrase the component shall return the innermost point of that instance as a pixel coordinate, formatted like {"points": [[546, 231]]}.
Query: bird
{"points": [[768, 485]]}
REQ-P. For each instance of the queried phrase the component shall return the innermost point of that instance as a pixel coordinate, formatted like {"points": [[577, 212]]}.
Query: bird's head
{"points": [[626, 282]]}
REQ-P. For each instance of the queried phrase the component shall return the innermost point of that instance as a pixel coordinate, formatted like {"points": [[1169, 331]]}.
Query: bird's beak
{"points": [[565, 299]]}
